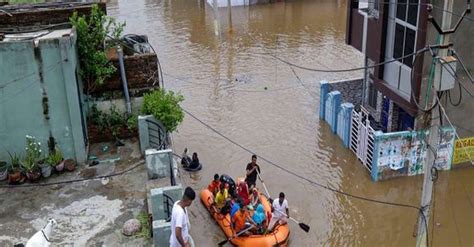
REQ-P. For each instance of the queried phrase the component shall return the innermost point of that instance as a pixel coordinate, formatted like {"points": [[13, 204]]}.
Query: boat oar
{"points": [[238, 234], [264, 186], [300, 224]]}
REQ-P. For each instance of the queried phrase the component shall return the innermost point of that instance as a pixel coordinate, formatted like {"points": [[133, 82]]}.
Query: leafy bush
{"points": [[92, 31], [165, 107], [132, 122]]}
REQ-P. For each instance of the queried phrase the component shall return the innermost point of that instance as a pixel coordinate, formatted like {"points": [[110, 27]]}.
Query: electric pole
{"points": [[426, 197], [215, 7], [229, 13]]}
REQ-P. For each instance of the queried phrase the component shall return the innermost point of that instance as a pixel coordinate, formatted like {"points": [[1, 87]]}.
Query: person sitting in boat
{"points": [[194, 162], [185, 160], [242, 219], [221, 196], [280, 212], [230, 183], [235, 207], [252, 172], [214, 185], [254, 198], [259, 218], [243, 193]]}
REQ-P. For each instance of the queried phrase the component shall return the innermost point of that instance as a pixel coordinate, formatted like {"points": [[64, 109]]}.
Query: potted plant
{"points": [[70, 165], [33, 155], [3, 170], [30, 166], [58, 160], [45, 166], [15, 175]]}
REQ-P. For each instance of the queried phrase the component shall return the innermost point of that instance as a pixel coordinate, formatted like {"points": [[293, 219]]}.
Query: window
{"points": [[405, 30], [363, 4]]}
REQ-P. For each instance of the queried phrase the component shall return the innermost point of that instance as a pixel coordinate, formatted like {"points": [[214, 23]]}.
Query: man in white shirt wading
{"points": [[279, 208], [179, 220]]}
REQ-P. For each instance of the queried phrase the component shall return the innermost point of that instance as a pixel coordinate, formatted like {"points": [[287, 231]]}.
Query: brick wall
{"points": [[141, 71], [42, 14], [351, 90]]}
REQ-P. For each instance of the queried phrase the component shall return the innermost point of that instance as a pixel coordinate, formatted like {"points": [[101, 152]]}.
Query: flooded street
{"points": [[230, 82]]}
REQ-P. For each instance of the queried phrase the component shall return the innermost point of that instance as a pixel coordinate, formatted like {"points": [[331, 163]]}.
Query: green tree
{"points": [[92, 32]]}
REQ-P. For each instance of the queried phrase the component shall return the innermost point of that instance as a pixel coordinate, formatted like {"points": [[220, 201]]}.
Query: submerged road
{"points": [[258, 102]]}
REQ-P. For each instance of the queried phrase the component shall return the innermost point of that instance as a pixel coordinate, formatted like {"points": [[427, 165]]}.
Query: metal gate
{"points": [[362, 137]]}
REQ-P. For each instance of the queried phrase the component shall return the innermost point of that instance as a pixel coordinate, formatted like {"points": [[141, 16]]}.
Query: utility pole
{"points": [[426, 197], [215, 7], [229, 13]]}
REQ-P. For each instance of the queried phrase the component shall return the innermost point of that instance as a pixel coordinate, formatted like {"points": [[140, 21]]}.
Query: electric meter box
{"points": [[445, 74]]}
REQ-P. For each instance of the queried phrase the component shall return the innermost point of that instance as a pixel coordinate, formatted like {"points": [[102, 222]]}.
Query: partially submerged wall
{"points": [[351, 90]]}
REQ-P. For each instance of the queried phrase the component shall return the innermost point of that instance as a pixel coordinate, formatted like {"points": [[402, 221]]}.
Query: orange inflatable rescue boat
{"points": [[278, 237]]}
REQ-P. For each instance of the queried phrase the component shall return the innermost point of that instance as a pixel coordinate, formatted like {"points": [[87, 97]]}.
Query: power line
{"points": [[350, 69], [314, 183], [136, 165]]}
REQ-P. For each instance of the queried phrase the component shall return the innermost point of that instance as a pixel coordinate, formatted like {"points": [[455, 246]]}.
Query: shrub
{"points": [[165, 107], [92, 31]]}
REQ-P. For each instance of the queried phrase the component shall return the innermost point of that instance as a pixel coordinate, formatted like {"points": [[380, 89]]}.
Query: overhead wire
{"points": [[133, 167], [314, 183]]}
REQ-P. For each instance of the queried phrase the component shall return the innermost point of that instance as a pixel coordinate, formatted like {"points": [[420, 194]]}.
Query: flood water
{"points": [[230, 83]]}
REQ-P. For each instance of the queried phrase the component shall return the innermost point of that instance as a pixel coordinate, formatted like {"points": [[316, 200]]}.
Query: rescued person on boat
{"points": [[279, 208], [251, 175], [259, 218], [242, 219], [255, 198], [214, 185], [243, 192], [221, 196], [180, 221]]}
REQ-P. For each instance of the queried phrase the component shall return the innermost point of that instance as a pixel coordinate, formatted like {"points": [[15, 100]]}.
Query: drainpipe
{"points": [[124, 79]]}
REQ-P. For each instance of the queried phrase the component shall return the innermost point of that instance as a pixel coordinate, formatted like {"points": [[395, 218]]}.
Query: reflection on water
{"points": [[230, 83]]}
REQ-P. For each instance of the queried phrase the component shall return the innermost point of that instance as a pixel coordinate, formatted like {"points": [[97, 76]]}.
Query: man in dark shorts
{"points": [[251, 175]]}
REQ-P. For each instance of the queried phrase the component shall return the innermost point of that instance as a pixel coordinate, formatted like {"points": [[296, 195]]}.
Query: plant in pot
{"points": [[70, 165], [33, 155], [57, 160], [15, 175], [3, 170], [46, 166], [31, 168]]}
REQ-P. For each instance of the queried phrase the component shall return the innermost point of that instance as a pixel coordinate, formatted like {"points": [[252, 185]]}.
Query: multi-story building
{"points": [[393, 29]]}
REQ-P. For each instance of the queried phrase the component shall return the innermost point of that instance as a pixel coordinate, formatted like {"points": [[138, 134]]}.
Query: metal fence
{"points": [[362, 138]]}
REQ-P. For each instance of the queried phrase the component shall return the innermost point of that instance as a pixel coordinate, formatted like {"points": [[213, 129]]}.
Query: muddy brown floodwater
{"points": [[259, 103]]}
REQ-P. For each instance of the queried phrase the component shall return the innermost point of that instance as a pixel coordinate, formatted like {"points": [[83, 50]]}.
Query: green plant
{"points": [[92, 32], [132, 122], [165, 107], [145, 224], [54, 158], [15, 163], [29, 163]]}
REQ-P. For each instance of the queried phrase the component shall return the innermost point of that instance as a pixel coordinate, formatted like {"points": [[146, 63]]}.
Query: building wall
{"points": [[40, 96], [42, 14], [460, 116], [351, 90]]}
